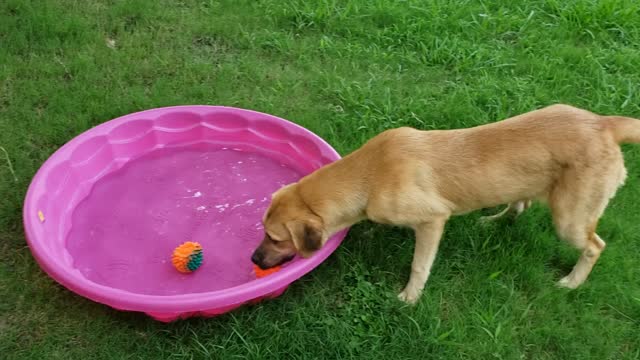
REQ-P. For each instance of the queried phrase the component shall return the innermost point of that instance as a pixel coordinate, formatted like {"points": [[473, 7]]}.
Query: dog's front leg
{"points": [[427, 239]]}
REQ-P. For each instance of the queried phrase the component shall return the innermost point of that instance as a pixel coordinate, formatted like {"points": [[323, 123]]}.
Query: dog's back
{"points": [[523, 157]]}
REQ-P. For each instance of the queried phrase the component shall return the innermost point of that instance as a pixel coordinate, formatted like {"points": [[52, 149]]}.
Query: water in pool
{"points": [[124, 232]]}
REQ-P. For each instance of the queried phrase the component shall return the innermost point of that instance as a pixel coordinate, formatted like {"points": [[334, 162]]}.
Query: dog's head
{"points": [[290, 228]]}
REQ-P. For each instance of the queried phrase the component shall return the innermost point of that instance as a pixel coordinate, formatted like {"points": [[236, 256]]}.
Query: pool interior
{"points": [[124, 231]]}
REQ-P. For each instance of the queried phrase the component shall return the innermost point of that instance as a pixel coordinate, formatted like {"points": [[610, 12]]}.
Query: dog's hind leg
{"points": [[577, 202]]}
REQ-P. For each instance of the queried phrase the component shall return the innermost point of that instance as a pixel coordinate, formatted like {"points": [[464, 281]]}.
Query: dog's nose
{"points": [[257, 258]]}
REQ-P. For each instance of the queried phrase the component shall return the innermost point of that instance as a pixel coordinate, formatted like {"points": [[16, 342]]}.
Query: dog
{"points": [[567, 157]]}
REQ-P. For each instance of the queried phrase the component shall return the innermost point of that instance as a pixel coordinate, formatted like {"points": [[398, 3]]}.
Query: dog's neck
{"points": [[334, 195]]}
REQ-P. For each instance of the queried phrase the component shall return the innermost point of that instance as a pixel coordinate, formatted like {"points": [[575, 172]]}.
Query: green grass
{"points": [[346, 70]]}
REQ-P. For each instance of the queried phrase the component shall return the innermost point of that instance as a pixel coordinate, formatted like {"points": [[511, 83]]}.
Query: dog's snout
{"points": [[257, 257]]}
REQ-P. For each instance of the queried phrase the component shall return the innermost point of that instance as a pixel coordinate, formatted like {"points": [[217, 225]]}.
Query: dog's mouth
{"points": [[280, 262], [286, 259]]}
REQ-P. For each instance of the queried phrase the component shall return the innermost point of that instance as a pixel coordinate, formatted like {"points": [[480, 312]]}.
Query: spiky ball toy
{"points": [[187, 257]]}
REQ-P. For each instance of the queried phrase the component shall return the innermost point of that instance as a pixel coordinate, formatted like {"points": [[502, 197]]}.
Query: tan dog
{"points": [[565, 156]]}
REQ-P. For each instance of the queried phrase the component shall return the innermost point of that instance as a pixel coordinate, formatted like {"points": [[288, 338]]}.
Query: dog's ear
{"points": [[307, 236]]}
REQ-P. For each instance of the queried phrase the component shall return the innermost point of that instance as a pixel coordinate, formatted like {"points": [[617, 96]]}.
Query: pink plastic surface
{"points": [[105, 211]]}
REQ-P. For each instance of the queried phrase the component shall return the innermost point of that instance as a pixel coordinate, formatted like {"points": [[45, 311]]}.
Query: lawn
{"points": [[346, 70]]}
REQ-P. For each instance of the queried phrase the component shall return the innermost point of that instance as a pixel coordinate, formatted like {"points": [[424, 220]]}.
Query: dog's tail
{"points": [[624, 129]]}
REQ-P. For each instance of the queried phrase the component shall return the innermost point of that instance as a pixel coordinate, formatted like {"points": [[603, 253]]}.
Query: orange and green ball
{"points": [[187, 257]]}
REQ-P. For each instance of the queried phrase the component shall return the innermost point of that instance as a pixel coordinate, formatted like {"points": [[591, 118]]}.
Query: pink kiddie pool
{"points": [[105, 211]]}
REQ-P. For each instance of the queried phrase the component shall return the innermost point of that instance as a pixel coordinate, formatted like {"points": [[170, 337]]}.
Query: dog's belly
{"points": [[490, 199], [483, 187]]}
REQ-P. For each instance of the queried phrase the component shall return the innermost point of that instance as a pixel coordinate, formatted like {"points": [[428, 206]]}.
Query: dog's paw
{"points": [[409, 295], [568, 282]]}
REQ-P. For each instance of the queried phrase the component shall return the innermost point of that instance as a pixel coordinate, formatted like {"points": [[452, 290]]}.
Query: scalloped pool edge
{"points": [[69, 174]]}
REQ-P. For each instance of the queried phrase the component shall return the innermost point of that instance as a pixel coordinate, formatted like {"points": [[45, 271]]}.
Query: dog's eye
{"points": [[271, 238], [276, 243]]}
